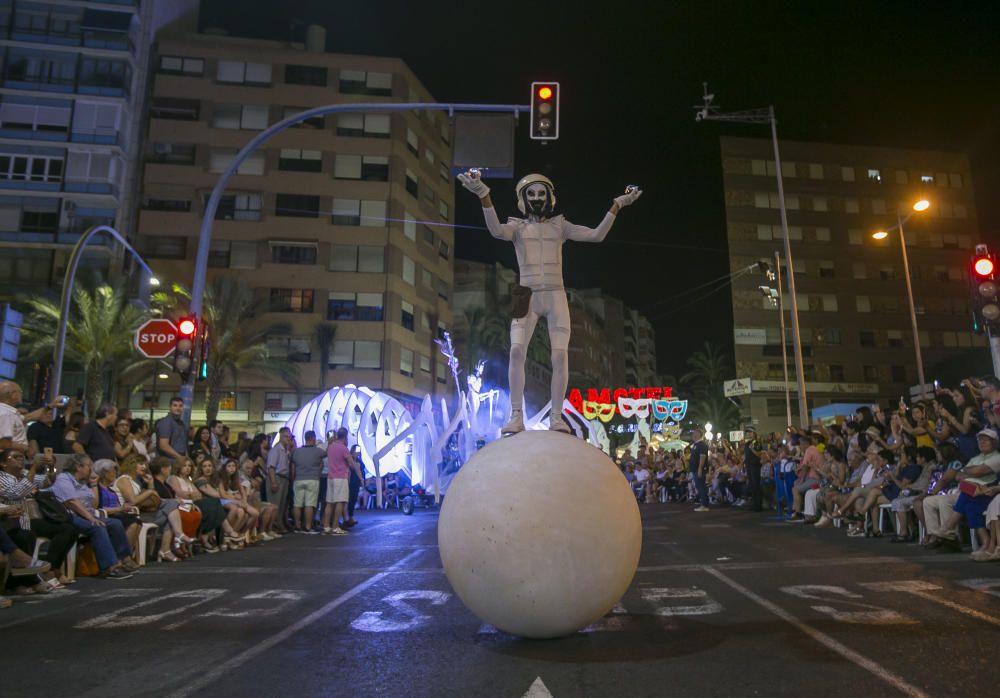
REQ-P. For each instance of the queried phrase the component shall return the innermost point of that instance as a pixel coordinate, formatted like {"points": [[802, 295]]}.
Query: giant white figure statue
{"points": [[538, 241]]}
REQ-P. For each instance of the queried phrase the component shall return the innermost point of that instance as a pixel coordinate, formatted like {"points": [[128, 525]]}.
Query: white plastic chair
{"points": [[144, 532]]}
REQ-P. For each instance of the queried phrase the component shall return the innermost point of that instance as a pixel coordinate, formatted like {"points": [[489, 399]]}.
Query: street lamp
{"points": [[710, 112], [918, 207]]}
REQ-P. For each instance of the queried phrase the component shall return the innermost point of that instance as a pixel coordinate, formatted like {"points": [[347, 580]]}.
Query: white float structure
{"points": [[390, 437]]}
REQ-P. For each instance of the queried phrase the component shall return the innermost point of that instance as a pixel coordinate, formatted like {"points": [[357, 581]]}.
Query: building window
{"points": [[305, 75], [362, 307], [409, 227], [96, 122], [815, 170], [429, 156], [412, 143], [316, 122], [826, 270], [819, 203], [31, 168], [173, 153], [847, 174], [878, 206], [855, 236], [367, 125], [367, 355], [822, 235], [406, 315], [174, 108], [899, 374], [244, 73], [42, 70], [443, 250], [425, 364], [346, 212], [251, 117], [776, 407], [874, 175], [851, 205], [295, 349], [836, 373], [927, 179], [886, 273], [411, 183], [871, 373], [162, 246], [406, 362], [409, 270], [866, 338], [375, 168], [955, 180], [182, 65], [863, 304], [902, 177], [219, 253], [357, 258], [298, 160], [297, 205], [101, 76], [243, 255], [291, 300], [829, 302], [895, 338], [443, 210], [360, 82], [290, 253], [445, 174], [859, 270], [239, 207], [155, 204]]}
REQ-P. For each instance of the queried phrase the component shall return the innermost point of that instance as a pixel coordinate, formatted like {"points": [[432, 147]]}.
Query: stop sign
{"points": [[156, 338]]}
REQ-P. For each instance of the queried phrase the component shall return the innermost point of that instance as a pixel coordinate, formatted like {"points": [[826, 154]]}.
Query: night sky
{"points": [[910, 74]]}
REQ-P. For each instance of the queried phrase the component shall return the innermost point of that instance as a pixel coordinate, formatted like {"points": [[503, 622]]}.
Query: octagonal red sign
{"points": [[156, 339]]}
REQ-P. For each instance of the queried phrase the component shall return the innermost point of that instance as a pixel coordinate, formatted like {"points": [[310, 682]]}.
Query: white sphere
{"points": [[540, 534]]}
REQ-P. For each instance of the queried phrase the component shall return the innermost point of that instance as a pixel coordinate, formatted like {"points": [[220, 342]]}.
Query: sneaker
{"points": [[312, 532], [981, 555], [515, 424], [702, 508], [116, 573], [328, 530], [339, 532], [559, 424], [824, 522], [856, 532]]}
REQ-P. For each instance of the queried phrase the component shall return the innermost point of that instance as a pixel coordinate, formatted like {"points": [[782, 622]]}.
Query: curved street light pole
{"points": [[205, 236], [59, 352]]}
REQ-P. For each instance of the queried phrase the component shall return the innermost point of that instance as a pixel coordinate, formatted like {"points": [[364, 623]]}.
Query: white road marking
{"points": [[372, 621], [118, 618], [609, 623], [245, 610], [923, 590], [706, 608], [200, 679], [983, 584], [846, 652], [871, 615], [537, 690]]}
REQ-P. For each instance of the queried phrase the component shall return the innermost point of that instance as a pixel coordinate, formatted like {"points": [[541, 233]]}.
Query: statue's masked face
{"points": [[537, 199]]}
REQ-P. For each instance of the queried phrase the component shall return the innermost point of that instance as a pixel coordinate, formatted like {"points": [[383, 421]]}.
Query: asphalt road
{"points": [[724, 603]]}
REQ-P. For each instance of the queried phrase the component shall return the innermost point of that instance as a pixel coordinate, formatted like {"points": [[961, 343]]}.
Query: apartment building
{"points": [[343, 219], [853, 310]]}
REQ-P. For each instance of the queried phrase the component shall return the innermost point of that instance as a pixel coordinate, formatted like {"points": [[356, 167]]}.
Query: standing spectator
{"points": [[95, 439], [278, 462], [751, 461], [171, 436], [808, 475], [307, 462], [107, 536], [339, 464], [202, 443], [218, 441], [47, 431], [353, 487], [13, 433], [74, 424], [698, 466]]}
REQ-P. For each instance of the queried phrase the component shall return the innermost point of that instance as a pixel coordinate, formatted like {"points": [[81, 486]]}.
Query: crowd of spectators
{"points": [[928, 470], [95, 486]]}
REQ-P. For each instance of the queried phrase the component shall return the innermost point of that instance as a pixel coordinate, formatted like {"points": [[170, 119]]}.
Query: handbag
{"points": [[51, 508], [968, 488]]}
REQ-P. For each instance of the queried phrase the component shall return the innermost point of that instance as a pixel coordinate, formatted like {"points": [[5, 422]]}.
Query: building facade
{"points": [[71, 97], [341, 219], [854, 315]]}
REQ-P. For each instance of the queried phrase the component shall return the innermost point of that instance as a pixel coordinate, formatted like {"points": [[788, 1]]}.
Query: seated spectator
{"points": [[926, 458], [896, 479], [213, 514], [202, 443], [74, 423], [124, 443], [138, 488], [110, 503], [159, 470], [252, 479], [139, 434], [228, 484], [107, 536], [15, 562], [834, 474], [209, 483], [990, 550], [48, 431], [942, 493], [807, 476], [979, 473]]}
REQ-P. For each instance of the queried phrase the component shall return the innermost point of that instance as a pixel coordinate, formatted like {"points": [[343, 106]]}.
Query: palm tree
{"points": [[709, 369], [236, 346], [324, 334], [487, 335], [99, 336]]}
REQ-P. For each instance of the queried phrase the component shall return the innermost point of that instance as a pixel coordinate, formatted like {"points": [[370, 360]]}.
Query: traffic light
{"points": [[985, 292], [203, 349], [544, 111], [187, 329]]}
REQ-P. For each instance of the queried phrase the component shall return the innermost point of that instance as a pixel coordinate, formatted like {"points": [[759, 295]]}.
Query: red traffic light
{"points": [[984, 266], [545, 92], [187, 327]]}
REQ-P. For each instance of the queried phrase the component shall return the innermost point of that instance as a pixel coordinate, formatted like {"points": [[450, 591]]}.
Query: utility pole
{"points": [[708, 112]]}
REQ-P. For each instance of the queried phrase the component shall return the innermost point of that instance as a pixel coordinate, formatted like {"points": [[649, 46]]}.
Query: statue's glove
{"points": [[628, 198], [471, 180]]}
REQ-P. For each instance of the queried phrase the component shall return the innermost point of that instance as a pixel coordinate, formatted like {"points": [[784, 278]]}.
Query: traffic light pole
{"points": [[205, 237], [59, 352]]}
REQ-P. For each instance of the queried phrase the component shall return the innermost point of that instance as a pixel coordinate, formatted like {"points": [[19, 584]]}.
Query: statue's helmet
{"points": [[536, 194]]}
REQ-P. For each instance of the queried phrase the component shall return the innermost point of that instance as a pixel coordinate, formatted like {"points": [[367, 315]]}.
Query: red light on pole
{"points": [[187, 327], [545, 92], [983, 266], [544, 111]]}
